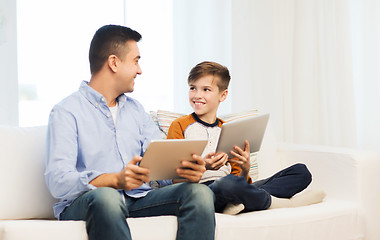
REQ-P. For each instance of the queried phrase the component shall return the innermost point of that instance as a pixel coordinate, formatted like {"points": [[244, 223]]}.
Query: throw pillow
{"points": [[165, 118]]}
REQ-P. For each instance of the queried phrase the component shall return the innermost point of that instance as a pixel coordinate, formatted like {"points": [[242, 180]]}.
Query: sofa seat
{"points": [[328, 220]]}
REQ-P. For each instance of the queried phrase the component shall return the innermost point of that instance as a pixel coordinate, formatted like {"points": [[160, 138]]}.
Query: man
{"points": [[96, 138]]}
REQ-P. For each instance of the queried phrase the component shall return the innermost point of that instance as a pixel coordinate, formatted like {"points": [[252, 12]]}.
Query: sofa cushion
{"points": [[23, 190], [329, 220], [42, 230]]}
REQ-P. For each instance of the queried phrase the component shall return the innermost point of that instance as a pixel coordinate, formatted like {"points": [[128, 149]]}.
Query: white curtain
{"points": [[313, 81], [313, 64]]}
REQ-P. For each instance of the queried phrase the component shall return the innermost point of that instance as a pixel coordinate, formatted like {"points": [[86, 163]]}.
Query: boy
{"points": [[229, 178]]}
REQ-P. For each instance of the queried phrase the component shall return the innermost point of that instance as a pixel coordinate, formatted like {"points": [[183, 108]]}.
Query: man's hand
{"points": [[132, 176], [242, 158], [192, 171], [214, 162]]}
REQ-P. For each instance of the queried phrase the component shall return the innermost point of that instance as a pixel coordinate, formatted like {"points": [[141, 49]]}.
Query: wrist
{"points": [[116, 180], [105, 180], [208, 166], [244, 173]]}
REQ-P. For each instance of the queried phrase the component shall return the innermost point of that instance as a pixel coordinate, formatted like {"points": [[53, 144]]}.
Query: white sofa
{"points": [[349, 177]]}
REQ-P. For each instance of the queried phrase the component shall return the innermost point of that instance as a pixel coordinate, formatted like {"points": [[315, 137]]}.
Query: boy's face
{"points": [[204, 97]]}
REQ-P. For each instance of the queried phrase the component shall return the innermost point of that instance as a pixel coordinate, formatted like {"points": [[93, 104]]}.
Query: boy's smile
{"points": [[198, 103], [204, 97]]}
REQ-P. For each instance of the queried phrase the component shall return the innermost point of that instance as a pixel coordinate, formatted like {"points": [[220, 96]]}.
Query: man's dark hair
{"points": [[110, 40], [210, 68]]}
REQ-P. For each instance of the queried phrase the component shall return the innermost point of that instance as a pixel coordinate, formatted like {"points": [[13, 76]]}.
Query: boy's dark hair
{"points": [[108, 40], [210, 68]]}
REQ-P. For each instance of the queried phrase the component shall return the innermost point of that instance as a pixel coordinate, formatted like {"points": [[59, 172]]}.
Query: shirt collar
{"points": [[216, 123], [95, 98]]}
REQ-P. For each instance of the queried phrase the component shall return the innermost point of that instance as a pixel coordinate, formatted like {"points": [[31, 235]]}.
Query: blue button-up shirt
{"points": [[83, 143]]}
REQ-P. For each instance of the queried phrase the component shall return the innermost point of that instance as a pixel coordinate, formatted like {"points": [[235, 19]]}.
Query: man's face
{"points": [[129, 68], [204, 97]]}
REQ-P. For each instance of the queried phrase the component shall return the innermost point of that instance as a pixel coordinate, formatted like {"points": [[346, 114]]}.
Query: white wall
{"points": [[8, 63], [366, 62]]}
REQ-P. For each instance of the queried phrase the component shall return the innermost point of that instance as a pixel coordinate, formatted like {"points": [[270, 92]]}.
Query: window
{"points": [[53, 42]]}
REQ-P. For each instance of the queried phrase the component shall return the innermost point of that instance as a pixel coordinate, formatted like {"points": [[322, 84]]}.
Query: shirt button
{"points": [[102, 99], [108, 115]]}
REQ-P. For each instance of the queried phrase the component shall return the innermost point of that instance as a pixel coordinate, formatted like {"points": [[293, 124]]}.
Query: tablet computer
{"points": [[234, 133], [163, 157]]}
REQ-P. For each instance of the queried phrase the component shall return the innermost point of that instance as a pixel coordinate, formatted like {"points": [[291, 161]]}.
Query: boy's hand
{"points": [[214, 162], [243, 158], [192, 171], [132, 176]]}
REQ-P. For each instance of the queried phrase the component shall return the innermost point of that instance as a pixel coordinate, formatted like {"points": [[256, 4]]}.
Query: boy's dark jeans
{"points": [[257, 196]]}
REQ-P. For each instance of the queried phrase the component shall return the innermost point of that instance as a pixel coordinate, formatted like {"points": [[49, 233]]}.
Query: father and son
{"points": [[97, 137]]}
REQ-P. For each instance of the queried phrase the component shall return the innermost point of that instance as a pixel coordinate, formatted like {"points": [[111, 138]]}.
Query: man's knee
{"points": [[106, 199], [199, 193], [105, 194]]}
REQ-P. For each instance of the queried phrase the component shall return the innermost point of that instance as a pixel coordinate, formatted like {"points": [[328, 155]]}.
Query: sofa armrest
{"points": [[344, 174]]}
